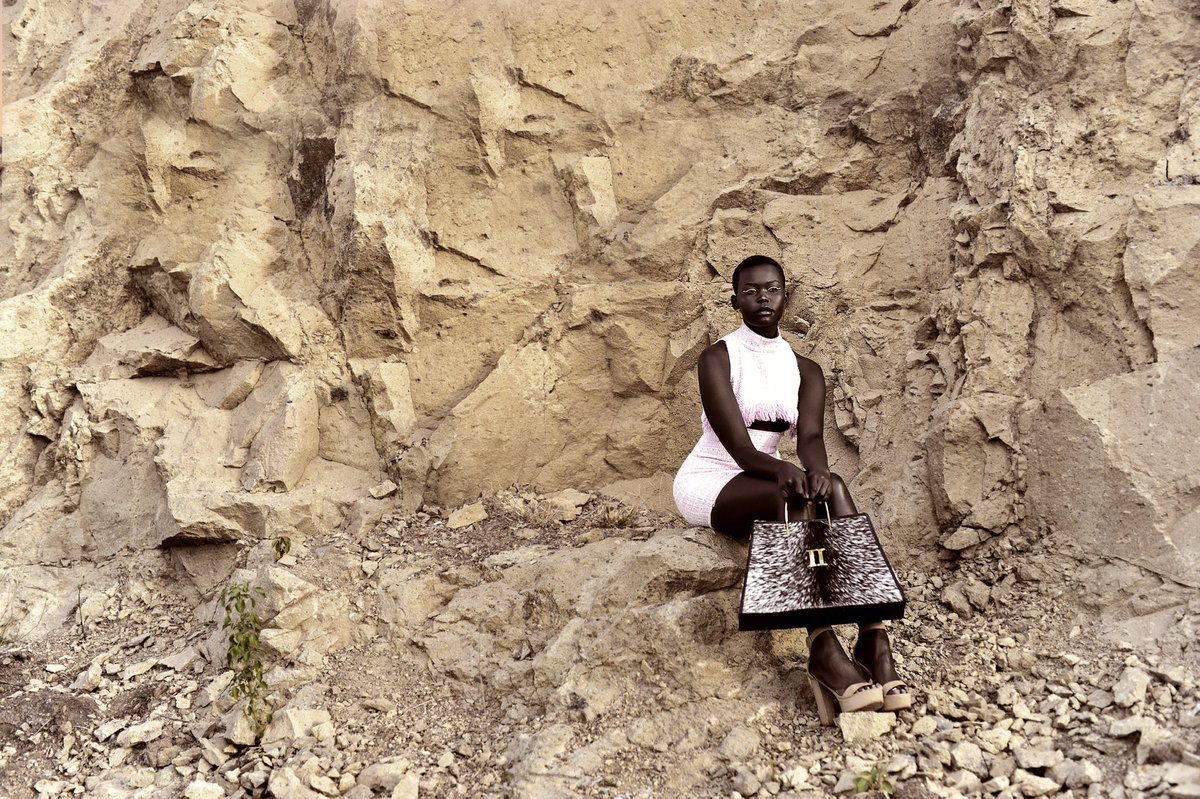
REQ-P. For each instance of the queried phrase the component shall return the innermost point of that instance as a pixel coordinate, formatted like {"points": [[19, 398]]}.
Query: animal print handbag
{"points": [[814, 572]]}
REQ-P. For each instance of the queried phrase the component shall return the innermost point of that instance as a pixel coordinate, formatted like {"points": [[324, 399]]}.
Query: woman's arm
{"points": [[721, 408], [810, 427]]}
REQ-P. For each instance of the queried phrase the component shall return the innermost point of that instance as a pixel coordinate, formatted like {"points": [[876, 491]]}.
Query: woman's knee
{"points": [[839, 495], [744, 500]]}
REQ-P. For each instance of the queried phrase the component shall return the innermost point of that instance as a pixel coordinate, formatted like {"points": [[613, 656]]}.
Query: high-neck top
{"points": [[764, 376]]}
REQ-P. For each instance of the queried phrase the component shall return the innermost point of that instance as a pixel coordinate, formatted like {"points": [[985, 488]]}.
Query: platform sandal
{"points": [[896, 695], [857, 696]]}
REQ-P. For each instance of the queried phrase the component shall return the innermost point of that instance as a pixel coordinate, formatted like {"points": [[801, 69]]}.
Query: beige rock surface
{"points": [[262, 257], [1128, 444]]}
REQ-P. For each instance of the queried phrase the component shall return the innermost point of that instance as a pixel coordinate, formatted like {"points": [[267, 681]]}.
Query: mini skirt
{"points": [[708, 468]]}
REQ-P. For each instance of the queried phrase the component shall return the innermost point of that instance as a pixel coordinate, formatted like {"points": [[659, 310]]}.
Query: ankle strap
{"points": [[813, 633]]}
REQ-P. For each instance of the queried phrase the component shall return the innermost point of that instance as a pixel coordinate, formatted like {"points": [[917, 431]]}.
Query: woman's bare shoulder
{"points": [[808, 367], [715, 353]]}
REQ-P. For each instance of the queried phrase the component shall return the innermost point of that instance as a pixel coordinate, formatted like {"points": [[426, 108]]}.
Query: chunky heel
{"points": [[859, 696], [825, 707]]}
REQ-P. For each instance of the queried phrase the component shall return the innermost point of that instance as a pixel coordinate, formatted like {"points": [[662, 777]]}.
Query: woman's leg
{"points": [[746, 499], [874, 652], [827, 661], [872, 648], [840, 501]]}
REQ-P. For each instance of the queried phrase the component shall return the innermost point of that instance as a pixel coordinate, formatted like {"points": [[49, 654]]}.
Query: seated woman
{"points": [[754, 388]]}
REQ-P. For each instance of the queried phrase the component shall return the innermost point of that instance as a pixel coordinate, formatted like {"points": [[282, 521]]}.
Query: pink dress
{"points": [[766, 383]]}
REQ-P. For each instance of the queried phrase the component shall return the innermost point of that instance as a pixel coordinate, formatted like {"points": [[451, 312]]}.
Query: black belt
{"points": [[773, 426]]}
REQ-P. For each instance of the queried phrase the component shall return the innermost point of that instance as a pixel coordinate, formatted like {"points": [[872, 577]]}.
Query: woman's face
{"points": [[759, 296]]}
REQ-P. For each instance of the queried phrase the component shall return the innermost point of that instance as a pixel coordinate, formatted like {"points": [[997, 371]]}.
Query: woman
{"points": [[754, 388]]}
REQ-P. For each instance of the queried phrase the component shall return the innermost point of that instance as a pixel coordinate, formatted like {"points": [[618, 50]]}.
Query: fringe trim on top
{"points": [[769, 412], [765, 412]]}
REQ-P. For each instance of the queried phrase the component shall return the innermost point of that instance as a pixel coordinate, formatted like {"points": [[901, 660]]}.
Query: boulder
{"points": [[1125, 444], [293, 722], [300, 623], [154, 347], [672, 594], [1160, 263]]}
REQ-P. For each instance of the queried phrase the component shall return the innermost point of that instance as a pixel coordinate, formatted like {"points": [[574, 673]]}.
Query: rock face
{"points": [[1128, 443], [264, 256]]}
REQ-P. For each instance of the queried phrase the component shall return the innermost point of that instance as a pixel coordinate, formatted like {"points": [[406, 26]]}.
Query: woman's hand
{"points": [[820, 484], [793, 481]]}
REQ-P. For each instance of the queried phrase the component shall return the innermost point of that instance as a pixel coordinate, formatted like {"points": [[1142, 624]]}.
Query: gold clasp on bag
{"points": [[816, 557]]}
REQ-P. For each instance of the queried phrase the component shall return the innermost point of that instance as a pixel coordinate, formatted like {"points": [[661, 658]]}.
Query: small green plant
{"points": [[282, 545], [244, 627], [873, 780]]}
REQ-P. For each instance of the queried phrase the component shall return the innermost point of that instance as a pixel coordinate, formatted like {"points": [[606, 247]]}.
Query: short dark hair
{"points": [[754, 260]]}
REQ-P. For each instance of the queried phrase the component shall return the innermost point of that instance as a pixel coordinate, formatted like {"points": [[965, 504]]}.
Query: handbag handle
{"points": [[828, 518]]}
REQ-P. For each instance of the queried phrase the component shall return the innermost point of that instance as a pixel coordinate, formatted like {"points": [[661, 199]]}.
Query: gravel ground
{"points": [[1022, 687]]}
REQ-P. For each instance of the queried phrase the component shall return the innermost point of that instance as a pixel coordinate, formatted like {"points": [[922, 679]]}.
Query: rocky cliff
{"points": [[265, 256], [276, 269]]}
